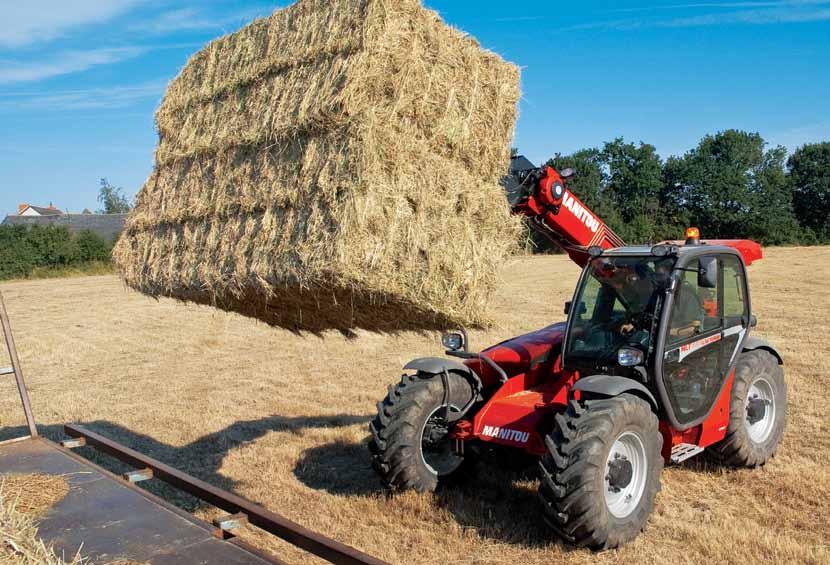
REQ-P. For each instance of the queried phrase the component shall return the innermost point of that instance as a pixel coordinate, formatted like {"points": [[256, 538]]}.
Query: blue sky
{"points": [[80, 79]]}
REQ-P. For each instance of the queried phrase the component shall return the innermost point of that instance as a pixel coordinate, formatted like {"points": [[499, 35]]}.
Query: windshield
{"points": [[615, 306]]}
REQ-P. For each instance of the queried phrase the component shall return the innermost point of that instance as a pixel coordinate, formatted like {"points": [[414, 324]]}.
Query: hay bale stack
{"points": [[335, 165]]}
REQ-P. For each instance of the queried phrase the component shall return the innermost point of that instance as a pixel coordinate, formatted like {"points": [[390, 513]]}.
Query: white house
{"points": [[29, 210]]}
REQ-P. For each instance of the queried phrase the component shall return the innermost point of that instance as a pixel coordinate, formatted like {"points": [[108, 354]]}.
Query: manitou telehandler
{"points": [[654, 364]]}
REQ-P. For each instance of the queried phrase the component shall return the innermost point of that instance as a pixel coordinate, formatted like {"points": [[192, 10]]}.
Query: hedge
{"points": [[24, 248]]}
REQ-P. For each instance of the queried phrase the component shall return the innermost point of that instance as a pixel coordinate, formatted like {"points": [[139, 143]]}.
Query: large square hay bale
{"points": [[335, 165]]}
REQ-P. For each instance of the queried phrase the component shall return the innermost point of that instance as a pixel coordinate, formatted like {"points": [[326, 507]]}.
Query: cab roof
{"points": [[749, 250]]}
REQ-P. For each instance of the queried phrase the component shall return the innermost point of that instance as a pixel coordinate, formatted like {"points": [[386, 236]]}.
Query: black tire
{"points": [[575, 471], [739, 448], [396, 442]]}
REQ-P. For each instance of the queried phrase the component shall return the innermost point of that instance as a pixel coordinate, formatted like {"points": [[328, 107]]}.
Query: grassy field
{"points": [[282, 419]]}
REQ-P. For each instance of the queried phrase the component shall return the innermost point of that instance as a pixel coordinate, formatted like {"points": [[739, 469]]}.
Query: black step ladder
{"points": [[16, 370]]}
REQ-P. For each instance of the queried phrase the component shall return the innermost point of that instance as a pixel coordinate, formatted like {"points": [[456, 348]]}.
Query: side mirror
{"points": [[707, 276], [567, 173], [455, 341], [569, 306]]}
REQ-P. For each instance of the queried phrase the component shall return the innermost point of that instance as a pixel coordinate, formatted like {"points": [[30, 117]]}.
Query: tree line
{"points": [[23, 249], [732, 185]]}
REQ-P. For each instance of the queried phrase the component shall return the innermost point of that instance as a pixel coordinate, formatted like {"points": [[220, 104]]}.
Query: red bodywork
{"points": [[749, 250], [520, 413]]}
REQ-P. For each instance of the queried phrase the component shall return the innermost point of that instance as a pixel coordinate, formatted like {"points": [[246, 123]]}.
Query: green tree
{"points": [[773, 221], [634, 184], [113, 199], [809, 177], [731, 186]]}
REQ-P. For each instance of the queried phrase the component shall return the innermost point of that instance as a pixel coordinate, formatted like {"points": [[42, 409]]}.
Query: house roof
{"points": [[46, 211]]}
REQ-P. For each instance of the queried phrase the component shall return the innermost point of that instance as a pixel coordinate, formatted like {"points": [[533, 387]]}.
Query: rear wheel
{"points": [[410, 443], [758, 412], [601, 475]]}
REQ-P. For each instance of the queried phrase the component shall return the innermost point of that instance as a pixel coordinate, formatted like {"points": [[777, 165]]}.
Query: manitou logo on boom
{"points": [[580, 212], [504, 433]]}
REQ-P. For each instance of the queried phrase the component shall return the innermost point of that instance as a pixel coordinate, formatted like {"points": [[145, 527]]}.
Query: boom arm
{"points": [[555, 212]]}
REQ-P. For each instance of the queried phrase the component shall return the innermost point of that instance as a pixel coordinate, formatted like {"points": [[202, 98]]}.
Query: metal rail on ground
{"points": [[260, 517]]}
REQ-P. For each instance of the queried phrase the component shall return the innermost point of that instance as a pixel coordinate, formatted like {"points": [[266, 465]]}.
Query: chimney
{"points": [[21, 208], [51, 206]]}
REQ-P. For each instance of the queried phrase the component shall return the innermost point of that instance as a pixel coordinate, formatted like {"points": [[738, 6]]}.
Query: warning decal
{"points": [[689, 348]]}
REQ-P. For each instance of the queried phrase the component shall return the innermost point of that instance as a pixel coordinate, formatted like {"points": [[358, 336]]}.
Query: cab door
{"points": [[695, 354]]}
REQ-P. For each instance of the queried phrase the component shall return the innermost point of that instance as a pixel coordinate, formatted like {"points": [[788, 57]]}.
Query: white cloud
{"points": [[756, 17], [32, 21], [803, 11], [86, 99], [64, 63], [730, 5], [189, 19]]}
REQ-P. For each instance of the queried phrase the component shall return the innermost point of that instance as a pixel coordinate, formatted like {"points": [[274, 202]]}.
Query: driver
{"points": [[688, 311], [635, 289]]}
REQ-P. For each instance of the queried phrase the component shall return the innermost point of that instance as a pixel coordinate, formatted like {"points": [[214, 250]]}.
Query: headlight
{"points": [[629, 357], [453, 341]]}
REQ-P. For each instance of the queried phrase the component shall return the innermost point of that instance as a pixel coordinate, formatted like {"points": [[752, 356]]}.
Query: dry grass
{"points": [[281, 419], [332, 165]]}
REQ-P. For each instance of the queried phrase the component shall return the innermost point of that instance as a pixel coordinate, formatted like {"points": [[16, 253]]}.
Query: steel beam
{"points": [[295, 534]]}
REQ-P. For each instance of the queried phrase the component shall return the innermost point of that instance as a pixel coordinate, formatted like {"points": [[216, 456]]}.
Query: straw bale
{"points": [[335, 165]]}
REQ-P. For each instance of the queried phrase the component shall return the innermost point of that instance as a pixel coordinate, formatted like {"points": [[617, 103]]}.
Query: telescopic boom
{"points": [[540, 194]]}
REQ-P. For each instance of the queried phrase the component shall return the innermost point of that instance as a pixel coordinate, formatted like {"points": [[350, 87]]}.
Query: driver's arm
{"points": [[688, 313]]}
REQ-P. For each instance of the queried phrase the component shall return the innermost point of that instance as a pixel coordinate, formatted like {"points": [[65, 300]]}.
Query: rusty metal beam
{"points": [[18, 372], [321, 546]]}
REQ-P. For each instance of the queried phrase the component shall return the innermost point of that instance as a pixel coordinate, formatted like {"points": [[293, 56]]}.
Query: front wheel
{"points": [[758, 412], [410, 443], [601, 473]]}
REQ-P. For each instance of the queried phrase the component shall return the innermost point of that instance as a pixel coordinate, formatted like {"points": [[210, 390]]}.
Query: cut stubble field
{"points": [[282, 419]]}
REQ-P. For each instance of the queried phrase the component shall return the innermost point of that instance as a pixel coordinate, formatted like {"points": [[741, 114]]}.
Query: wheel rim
{"points": [[436, 448], [760, 410], [625, 476]]}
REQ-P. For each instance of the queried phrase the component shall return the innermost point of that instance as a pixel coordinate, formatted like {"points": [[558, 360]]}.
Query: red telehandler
{"points": [[654, 364]]}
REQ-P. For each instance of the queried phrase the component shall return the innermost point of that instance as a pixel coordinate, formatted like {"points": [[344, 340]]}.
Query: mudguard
{"points": [[752, 343], [436, 366], [610, 386]]}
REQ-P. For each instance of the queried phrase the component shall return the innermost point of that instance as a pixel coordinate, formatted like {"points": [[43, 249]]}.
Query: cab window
{"points": [[696, 310], [735, 305]]}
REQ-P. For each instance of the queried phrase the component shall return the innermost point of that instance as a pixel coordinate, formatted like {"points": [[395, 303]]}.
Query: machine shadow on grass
{"points": [[497, 503], [201, 458]]}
